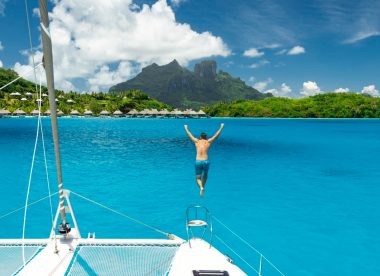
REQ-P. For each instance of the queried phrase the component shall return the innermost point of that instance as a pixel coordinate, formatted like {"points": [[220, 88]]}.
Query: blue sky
{"points": [[287, 47]]}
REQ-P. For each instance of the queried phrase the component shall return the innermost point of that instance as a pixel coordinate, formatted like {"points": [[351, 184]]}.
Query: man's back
{"points": [[202, 146]]}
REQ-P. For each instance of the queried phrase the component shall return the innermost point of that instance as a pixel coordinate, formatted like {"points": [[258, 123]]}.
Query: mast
{"points": [[47, 60]]}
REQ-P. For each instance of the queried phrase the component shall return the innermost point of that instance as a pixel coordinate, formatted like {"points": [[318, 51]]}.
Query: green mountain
{"points": [[181, 87]]}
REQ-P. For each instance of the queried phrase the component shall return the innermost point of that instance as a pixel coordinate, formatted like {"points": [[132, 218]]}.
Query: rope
{"points": [[236, 253], [249, 245], [121, 214], [21, 208], [29, 183], [46, 166]]}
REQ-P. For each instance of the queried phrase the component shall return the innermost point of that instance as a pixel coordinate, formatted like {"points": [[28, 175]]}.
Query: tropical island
{"points": [[21, 96]]}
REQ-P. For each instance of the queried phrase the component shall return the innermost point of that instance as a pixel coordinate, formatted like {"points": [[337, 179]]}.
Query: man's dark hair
{"points": [[203, 135]]}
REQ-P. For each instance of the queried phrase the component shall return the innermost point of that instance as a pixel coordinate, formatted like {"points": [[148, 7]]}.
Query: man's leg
{"points": [[199, 182], [204, 179]]}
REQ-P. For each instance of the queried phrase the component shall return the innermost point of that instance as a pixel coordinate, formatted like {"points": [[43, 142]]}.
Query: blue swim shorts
{"points": [[201, 166]]}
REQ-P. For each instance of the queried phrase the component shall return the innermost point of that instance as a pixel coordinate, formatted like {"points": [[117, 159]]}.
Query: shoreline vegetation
{"points": [[20, 99], [327, 105]]}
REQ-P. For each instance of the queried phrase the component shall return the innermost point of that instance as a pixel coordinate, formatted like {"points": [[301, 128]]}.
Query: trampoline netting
{"points": [[122, 260]]}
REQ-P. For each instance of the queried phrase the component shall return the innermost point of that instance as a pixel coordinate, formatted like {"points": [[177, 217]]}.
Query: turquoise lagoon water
{"points": [[304, 192]]}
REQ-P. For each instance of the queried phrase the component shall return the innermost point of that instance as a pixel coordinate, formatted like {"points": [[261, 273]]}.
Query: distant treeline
{"points": [[96, 102], [329, 105]]}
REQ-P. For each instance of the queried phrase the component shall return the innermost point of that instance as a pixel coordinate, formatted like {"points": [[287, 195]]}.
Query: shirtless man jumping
{"points": [[202, 164]]}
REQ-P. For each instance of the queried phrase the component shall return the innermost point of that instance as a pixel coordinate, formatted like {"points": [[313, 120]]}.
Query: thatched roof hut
{"points": [[19, 112], [4, 112], [74, 112], [87, 113], [104, 113], [15, 94], [118, 113], [35, 112], [133, 112], [60, 113]]}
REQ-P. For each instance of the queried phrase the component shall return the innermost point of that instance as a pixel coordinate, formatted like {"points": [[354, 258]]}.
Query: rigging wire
{"points": [[248, 244], [20, 76], [29, 183], [23, 207], [123, 215], [241, 258], [45, 161]]}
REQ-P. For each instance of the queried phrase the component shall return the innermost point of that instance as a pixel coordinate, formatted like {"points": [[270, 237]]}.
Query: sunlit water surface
{"points": [[304, 192]]}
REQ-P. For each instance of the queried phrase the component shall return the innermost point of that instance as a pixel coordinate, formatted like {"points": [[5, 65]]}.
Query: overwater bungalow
{"points": [[87, 113], [47, 113], [19, 113], [74, 113], [104, 113], [132, 113], [35, 112], [202, 114], [4, 113], [60, 113], [118, 113]]}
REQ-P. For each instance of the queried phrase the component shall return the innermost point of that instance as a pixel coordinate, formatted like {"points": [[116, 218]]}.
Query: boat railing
{"points": [[263, 261], [198, 217]]}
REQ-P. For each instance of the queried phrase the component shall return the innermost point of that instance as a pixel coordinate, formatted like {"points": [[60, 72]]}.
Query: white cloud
{"points": [[262, 85], [1, 64], [310, 88], [105, 78], [253, 52], [281, 52], [85, 39], [2, 6], [370, 90], [259, 64], [177, 2], [361, 35], [1, 46], [251, 79], [296, 50], [341, 90], [272, 46], [283, 91]]}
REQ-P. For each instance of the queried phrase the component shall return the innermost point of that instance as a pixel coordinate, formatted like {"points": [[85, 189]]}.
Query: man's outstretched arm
{"points": [[217, 133], [190, 135]]}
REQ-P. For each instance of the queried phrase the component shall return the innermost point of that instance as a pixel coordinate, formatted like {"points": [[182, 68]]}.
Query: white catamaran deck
{"points": [[112, 257]]}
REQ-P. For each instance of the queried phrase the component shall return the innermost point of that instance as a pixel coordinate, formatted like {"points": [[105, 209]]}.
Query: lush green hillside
{"points": [[21, 85], [180, 87], [330, 105]]}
